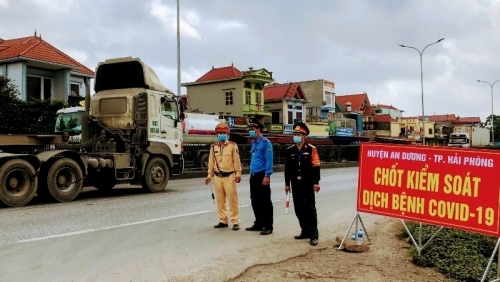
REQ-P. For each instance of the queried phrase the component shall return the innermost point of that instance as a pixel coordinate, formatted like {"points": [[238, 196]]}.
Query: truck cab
{"points": [[459, 140], [133, 118], [70, 120]]}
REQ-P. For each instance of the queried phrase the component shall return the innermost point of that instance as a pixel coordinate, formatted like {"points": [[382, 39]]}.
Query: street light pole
{"points": [[178, 51], [422, 83], [492, 117]]}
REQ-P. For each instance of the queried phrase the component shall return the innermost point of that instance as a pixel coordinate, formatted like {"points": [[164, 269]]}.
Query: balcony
{"points": [[287, 128], [256, 110]]}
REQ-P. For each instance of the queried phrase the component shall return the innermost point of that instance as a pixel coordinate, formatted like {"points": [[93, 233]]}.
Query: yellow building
{"points": [[411, 128]]}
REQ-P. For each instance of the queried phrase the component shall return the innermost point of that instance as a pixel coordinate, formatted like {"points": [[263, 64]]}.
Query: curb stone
{"points": [[246, 170]]}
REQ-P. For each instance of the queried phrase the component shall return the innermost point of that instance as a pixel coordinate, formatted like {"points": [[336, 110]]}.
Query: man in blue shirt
{"points": [[261, 168]]}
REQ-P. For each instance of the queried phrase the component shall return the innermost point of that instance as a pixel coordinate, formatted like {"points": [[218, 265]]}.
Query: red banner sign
{"points": [[456, 188]]}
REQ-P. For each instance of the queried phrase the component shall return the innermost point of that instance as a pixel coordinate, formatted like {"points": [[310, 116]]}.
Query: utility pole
{"points": [[422, 83], [178, 51]]}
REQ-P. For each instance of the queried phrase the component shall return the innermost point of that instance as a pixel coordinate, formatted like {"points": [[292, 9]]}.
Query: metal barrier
{"points": [[196, 156]]}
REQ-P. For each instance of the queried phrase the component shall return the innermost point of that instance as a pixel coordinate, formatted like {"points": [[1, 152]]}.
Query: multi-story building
{"points": [[230, 92], [321, 94]]}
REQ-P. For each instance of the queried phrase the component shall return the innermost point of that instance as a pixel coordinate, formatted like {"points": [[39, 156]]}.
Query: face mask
{"points": [[297, 139], [222, 137], [252, 133]]}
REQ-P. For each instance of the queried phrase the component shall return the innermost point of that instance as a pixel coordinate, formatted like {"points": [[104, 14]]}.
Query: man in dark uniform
{"points": [[302, 170], [261, 168]]}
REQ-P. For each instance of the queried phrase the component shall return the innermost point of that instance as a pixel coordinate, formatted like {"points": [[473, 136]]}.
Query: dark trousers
{"points": [[304, 203], [261, 201]]}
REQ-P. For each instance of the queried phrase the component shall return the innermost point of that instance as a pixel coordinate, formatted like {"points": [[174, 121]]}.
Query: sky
{"points": [[353, 43]]}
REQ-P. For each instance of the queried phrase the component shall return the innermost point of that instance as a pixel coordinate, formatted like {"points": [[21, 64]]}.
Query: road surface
{"points": [[129, 235]]}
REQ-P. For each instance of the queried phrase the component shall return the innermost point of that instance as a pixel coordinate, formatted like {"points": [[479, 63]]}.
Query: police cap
{"points": [[254, 122], [301, 127], [222, 127]]}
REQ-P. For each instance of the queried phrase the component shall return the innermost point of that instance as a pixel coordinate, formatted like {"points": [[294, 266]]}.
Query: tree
{"points": [[23, 117], [9, 105], [496, 123]]}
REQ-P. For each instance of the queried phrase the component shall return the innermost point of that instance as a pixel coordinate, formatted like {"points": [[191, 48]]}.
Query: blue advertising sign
{"points": [[344, 131]]}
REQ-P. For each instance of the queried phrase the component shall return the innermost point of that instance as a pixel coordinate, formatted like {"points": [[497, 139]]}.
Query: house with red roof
{"points": [[357, 107], [41, 71], [230, 92], [287, 104], [394, 112], [473, 121]]}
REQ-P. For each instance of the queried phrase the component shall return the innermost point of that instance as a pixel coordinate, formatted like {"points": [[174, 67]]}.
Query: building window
{"points": [[258, 98], [298, 116], [275, 119], [229, 98], [328, 98], [248, 97], [39, 88], [430, 130], [75, 90], [290, 117]]}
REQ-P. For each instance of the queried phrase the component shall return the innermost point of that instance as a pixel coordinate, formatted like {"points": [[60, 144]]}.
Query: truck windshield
{"points": [[69, 122], [458, 140]]}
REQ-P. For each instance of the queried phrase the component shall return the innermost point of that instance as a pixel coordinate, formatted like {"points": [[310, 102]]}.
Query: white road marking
{"points": [[110, 227]]}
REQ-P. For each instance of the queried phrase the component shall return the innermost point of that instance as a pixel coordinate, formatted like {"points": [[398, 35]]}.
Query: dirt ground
{"points": [[387, 260]]}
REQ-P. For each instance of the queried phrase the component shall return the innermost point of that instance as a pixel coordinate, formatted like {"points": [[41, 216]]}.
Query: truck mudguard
{"points": [[44, 157], [34, 161], [157, 148]]}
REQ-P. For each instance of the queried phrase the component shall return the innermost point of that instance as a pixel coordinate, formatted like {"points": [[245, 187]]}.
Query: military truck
{"points": [[131, 132]]}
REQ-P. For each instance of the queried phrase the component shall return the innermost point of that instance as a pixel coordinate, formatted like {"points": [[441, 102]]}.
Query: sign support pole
{"points": [[356, 218], [418, 245], [490, 261]]}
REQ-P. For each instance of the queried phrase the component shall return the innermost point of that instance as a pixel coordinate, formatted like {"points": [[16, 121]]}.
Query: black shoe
{"points": [[236, 227], [253, 228], [313, 242], [266, 231], [221, 225], [301, 236]]}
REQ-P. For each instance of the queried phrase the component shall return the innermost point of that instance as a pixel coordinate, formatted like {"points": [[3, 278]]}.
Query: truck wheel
{"points": [[65, 180], [156, 175], [204, 161], [105, 180], [18, 183]]}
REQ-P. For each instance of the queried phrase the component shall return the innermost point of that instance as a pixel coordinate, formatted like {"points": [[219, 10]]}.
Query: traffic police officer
{"points": [[302, 171], [224, 163]]}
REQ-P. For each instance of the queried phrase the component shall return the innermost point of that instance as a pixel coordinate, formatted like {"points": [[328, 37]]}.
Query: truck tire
{"points": [[204, 161], [105, 180], [18, 183], [156, 175], [65, 180]]}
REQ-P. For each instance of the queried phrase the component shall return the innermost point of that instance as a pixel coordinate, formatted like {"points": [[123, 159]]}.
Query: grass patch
{"points": [[456, 254]]}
